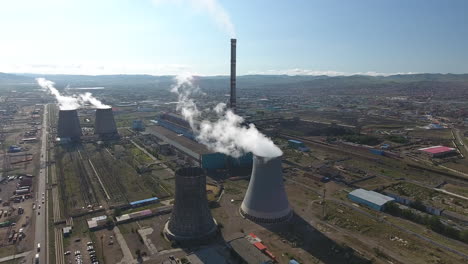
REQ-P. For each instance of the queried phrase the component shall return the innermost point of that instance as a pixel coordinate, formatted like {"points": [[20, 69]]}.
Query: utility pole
{"points": [[102, 247], [323, 201]]}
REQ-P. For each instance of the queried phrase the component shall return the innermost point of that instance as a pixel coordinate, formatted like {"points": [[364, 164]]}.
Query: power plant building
{"points": [[172, 130], [266, 200], [371, 199], [191, 218], [68, 127]]}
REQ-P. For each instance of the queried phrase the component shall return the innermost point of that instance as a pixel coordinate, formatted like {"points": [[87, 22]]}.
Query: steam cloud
{"points": [[65, 102], [69, 102], [88, 97], [214, 9], [226, 134]]}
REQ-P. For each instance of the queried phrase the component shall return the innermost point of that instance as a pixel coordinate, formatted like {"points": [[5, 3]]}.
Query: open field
{"points": [[431, 197]]}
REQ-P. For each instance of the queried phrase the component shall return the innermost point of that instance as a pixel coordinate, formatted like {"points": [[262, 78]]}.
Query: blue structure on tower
{"points": [[208, 160]]}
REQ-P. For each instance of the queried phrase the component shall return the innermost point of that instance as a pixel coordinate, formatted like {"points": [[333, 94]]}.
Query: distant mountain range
{"points": [[359, 84]]}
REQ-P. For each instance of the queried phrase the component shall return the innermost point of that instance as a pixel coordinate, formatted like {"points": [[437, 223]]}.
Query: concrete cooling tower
{"points": [[104, 124], [191, 218], [266, 200], [69, 125]]}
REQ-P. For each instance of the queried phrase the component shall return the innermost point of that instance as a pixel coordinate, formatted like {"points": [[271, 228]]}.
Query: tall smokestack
{"points": [[191, 218], [265, 200], [233, 75], [69, 125], [104, 124]]}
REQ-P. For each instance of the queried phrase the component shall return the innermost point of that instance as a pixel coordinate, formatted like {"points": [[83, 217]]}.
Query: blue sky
{"points": [[172, 36]]}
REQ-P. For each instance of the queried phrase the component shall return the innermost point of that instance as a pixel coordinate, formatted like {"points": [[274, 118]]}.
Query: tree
{"points": [[117, 212], [464, 236]]}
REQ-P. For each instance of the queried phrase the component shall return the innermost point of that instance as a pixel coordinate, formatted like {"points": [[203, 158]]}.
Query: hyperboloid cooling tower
{"points": [[69, 125], [266, 200], [104, 125], [191, 218]]}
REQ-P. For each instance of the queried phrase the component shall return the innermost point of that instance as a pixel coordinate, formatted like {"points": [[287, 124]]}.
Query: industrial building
{"points": [[97, 222], [104, 125], [370, 199], [191, 218], [245, 252], [438, 151], [299, 145], [199, 153], [176, 124], [144, 202], [138, 125], [266, 200], [68, 127]]}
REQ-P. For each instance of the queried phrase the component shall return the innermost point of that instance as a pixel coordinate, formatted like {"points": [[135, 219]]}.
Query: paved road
{"points": [[41, 214], [459, 138]]}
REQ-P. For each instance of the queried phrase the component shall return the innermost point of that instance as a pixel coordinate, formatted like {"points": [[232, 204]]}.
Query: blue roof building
{"points": [[144, 202], [371, 199]]}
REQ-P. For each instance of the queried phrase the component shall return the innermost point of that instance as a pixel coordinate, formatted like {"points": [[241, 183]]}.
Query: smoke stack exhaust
{"points": [[266, 200], [232, 104], [69, 125]]}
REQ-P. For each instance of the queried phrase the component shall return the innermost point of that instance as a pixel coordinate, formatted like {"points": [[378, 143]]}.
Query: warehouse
{"points": [[438, 151], [247, 253], [371, 199]]}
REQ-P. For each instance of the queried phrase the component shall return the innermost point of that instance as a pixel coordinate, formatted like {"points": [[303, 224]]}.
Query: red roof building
{"points": [[260, 246], [438, 151]]}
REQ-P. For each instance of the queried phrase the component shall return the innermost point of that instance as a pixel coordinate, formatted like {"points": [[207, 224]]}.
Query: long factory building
{"points": [[174, 130]]}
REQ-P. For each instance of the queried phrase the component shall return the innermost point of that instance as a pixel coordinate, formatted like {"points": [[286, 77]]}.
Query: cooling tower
{"points": [[68, 125], [233, 75], [104, 124], [266, 200], [191, 218]]}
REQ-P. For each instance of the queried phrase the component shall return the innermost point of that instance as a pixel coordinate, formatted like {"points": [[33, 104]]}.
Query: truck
{"points": [[21, 191], [36, 259]]}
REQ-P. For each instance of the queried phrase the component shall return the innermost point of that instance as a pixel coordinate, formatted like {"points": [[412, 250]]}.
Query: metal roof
{"points": [[437, 149], [371, 196], [248, 252], [152, 199]]}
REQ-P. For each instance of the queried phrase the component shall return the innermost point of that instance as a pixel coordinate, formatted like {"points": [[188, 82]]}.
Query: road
{"points": [[41, 228], [459, 138]]}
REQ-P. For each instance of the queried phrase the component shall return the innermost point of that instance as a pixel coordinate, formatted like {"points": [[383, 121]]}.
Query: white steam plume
{"points": [[70, 102], [65, 102], [226, 134], [88, 97], [213, 8]]}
